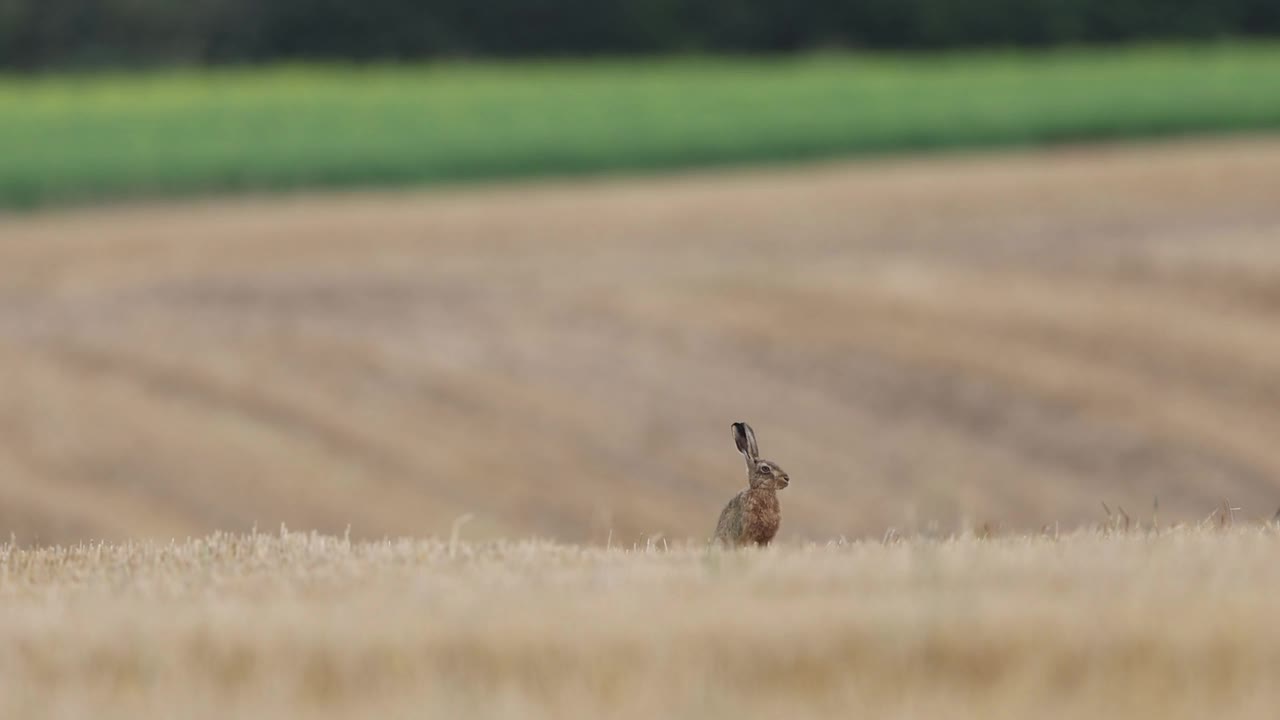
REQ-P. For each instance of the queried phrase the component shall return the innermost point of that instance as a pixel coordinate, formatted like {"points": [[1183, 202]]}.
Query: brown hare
{"points": [[753, 515]]}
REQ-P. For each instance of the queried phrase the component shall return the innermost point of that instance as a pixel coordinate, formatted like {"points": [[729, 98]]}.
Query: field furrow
{"points": [[922, 343]]}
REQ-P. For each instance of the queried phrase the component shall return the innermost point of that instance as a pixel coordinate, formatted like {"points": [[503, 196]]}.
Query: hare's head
{"points": [[765, 474]]}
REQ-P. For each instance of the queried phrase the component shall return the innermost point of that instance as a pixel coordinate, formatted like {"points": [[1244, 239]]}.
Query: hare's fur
{"points": [[753, 516]]}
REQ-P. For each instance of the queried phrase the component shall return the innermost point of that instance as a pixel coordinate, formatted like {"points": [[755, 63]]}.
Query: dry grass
{"points": [[1178, 623], [928, 341]]}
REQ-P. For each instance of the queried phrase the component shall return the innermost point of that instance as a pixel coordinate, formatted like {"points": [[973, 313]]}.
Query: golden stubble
{"points": [[1152, 623]]}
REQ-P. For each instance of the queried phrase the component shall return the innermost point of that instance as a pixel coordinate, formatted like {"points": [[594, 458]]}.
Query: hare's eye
{"points": [[766, 469]]}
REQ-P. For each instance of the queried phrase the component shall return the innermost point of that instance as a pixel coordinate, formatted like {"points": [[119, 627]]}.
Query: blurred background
{"points": [[386, 265], [41, 34]]}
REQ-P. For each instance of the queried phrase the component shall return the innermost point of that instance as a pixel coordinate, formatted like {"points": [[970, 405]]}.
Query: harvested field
{"points": [[1165, 624], [921, 343]]}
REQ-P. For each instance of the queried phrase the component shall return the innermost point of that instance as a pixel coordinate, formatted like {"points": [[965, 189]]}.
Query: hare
{"points": [[753, 515]]}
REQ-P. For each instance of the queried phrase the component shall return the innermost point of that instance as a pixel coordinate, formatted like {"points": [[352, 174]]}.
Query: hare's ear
{"points": [[745, 438]]}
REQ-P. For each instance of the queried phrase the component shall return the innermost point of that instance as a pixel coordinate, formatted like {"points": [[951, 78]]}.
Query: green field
{"points": [[86, 138]]}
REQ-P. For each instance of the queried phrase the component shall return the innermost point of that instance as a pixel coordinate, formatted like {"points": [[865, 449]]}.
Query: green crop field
{"points": [[86, 138]]}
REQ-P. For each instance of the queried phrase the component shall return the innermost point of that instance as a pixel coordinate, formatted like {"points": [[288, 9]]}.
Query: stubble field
{"points": [[1167, 623], [934, 349]]}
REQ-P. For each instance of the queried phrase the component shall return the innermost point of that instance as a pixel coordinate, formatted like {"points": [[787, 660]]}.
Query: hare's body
{"points": [[753, 516]]}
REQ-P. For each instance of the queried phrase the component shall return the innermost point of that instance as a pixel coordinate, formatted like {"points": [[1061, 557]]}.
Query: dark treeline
{"points": [[77, 33]]}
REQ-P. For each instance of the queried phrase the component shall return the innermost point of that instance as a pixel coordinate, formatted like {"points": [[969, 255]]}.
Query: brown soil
{"points": [[921, 343]]}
